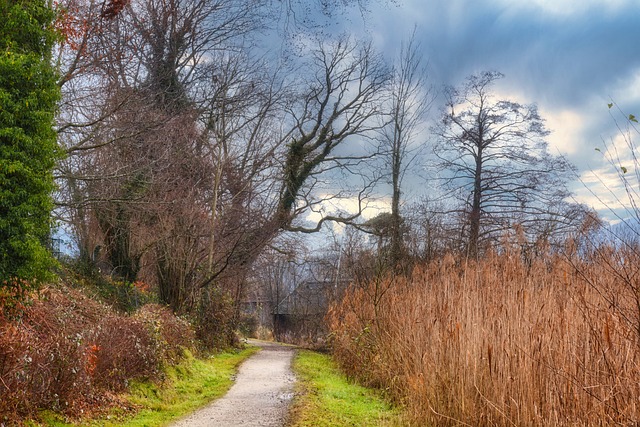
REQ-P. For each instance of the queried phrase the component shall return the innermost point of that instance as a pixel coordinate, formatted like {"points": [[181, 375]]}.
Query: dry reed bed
{"points": [[499, 343]]}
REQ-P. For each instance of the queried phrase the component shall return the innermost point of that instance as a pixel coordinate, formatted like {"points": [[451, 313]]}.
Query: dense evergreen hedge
{"points": [[28, 149]]}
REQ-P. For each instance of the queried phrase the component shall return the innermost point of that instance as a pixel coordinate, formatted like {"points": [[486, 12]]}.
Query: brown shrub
{"points": [[125, 350], [497, 343], [66, 350], [14, 358], [42, 363], [172, 333]]}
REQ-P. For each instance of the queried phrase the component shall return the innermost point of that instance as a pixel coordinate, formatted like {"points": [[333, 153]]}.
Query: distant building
{"points": [[297, 315]]}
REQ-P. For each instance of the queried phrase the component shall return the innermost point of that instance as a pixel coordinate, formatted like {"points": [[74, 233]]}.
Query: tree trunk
{"points": [[396, 246], [476, 213]]}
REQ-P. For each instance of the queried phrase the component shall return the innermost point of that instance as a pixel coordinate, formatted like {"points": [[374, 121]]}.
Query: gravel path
{"points": [[260, 396]]}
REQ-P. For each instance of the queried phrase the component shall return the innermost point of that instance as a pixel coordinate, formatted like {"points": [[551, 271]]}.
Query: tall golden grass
{"points": [[501, 342]]}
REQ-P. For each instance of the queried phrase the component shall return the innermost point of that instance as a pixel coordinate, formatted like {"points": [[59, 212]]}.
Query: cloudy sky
{"points": [[570, 57]]}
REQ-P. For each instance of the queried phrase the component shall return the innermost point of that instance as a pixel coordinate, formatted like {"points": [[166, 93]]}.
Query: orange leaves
{"points": [[111, 8], [142, 286], [70, 24], [75, 20], [92, 359]]}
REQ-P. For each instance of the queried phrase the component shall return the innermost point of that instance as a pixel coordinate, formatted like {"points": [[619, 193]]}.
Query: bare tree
{"points": [[278, 150], [432, 230], [339, 102], [187, 155], [498, 159], [411, 98], [137, 66]]}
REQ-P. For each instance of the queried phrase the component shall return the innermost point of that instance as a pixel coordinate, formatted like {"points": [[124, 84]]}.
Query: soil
{"points": [[261, 394]]}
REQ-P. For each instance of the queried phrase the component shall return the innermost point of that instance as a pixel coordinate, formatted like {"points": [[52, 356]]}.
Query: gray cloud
{"points": [[568, 57], [563, 60]]}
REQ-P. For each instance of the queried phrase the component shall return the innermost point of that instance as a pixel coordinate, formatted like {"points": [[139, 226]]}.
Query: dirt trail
{"points": [[260, 396]]}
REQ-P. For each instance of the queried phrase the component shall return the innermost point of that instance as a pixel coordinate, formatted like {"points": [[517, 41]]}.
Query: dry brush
{"points": [[500, 342]]}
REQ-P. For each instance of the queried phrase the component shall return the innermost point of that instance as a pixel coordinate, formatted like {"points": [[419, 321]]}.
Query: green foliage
{"points": [[122, 295], [28, 149], [329, 399]]}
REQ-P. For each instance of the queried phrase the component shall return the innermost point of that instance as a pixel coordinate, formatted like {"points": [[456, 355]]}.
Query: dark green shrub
{"points": [[28, 149]]}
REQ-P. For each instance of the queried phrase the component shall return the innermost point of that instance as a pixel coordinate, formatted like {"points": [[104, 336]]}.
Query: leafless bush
{"points": [[137, 355], [172, 333]]}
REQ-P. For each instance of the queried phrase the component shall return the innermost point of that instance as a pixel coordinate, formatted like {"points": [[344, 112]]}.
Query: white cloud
{"points": [[566, 127], [570, 7], [348, 206], [604, 188]]}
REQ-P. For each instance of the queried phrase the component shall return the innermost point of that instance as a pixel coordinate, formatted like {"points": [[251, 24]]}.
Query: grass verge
{"points": [[187, 386], [325, 397]]}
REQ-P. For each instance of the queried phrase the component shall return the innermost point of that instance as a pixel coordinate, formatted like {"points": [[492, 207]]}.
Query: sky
{"points": [[570, 57]]}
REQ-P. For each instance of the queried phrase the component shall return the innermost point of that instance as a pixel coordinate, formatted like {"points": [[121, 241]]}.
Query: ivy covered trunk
{"points": [[28, 97]]}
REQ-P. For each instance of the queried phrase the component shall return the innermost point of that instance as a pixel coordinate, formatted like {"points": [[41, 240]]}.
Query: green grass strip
{"points": [[188, 386], [327, 398]]}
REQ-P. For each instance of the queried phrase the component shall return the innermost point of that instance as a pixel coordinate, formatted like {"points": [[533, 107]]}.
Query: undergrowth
{"points": [[64, 352], [184, 387]]}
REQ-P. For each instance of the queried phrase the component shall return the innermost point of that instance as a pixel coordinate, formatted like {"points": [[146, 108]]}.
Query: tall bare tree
{"points": [[411, 98], [498, 160], [340, 101], [276, 155]]}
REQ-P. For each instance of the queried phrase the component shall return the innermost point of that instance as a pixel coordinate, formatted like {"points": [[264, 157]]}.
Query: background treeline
{"points": [[190, 146]]}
